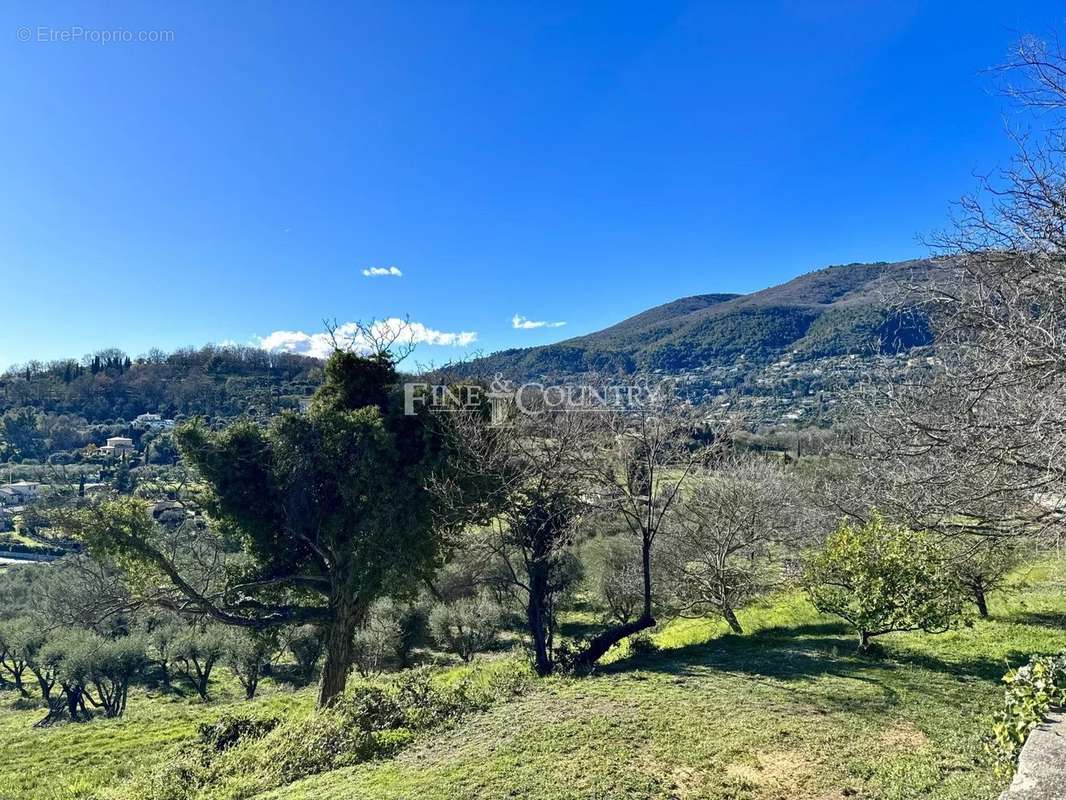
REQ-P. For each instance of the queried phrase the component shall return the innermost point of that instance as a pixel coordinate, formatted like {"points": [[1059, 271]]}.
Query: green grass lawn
{"points": [[71, 761], [784, 712]]}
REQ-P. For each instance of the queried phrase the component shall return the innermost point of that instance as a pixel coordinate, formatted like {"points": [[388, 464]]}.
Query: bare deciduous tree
{"points": [[540, 463], [724, 544], [974, 441], [651, 450]]}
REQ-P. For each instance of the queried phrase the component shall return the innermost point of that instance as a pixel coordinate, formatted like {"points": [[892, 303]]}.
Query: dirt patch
{"points": [[774, 770], [904, 736], [686, 783]]}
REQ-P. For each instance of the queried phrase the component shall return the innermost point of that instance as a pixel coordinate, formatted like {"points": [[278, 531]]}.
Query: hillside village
{"points": [[793, 392]]}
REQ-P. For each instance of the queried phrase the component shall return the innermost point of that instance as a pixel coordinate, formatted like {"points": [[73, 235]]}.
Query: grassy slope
{"points": [[784, 713], [71, 761]]}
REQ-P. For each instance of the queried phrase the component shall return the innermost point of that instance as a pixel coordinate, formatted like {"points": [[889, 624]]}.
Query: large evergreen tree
{"points": [[329, 510]]}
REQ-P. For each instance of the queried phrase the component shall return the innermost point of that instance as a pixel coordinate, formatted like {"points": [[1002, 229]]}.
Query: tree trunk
{"points": [[864, 641], [74, 701], [538, 624], [19, 684], [645, 560], [339, 650], [46, 687], [731, 618], [599, 646], [979, 599]]}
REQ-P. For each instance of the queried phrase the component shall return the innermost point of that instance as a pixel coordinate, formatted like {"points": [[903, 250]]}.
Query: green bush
{"points": [[386, 640], [230, 729], [467, 626], [883, 578], [306, 644], [1031, 692], [642, 645]]}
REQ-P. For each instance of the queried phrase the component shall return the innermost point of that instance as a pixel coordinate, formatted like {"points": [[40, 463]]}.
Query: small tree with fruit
{"points": [[882, 578]]}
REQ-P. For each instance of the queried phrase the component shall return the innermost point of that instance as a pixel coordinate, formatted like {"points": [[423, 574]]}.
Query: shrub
{"points": [[467, 626], [1031, 692], [389, 636], [616, 580], [882, 578], [305, 644], [642, 645], [248, 656], [230, 729], [376, 645]]}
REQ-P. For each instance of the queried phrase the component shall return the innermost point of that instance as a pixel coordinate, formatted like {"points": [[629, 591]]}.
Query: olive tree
{"points": [[247, 654], [616, 580], [305, 644], [982, 565], [92, 670], [467, 626], [163, 633], [16, 638], [197, 650]]}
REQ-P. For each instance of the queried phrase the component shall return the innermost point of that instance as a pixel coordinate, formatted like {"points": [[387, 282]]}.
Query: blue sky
{"points": [[564, 162]]}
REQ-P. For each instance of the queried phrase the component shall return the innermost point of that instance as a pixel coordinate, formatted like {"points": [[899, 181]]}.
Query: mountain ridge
{"points": [[837, 310]]}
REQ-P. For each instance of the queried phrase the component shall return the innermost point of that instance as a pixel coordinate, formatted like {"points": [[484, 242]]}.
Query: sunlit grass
{"points": [[787, 711]]}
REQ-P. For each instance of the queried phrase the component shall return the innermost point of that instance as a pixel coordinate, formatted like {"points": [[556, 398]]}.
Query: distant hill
{"points": [[217, 382], [839, 310]]}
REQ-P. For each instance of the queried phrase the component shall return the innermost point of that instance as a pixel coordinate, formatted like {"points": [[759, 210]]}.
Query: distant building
{"points": [[169, 512], [19, 493], [117, 446], [153, 421]]}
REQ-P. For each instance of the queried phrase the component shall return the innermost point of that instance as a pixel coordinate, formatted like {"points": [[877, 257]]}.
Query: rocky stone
{"points": [[1041, 771]]}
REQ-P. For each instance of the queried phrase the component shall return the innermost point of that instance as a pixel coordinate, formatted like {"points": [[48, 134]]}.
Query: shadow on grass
{"points": [[290, 675], [804, 652], [581, 630], [1044, 619]]}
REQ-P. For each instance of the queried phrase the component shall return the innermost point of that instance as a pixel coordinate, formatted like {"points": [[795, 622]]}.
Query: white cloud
{"points": [[377, 272], [402, 332], [520, 323]]}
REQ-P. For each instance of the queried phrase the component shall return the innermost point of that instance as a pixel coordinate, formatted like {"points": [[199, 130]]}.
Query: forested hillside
{"points": [[730, 339], [839, 310], [211, 381]]}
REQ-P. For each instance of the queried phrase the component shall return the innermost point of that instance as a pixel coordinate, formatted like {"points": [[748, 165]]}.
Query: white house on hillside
{"points": [[117, 446], [153, 421], [19, 493]]}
